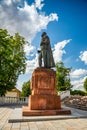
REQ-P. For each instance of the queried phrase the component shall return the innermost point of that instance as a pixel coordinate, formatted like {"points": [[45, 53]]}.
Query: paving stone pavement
{"points": [[64, 124]]}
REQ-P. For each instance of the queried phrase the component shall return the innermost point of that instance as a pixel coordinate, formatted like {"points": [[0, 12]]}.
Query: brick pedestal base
{"points": [[28, 112], [43, 100]]}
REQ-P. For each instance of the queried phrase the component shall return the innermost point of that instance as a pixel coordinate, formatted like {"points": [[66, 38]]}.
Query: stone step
{"points": [[16, 116], [27, 112]]}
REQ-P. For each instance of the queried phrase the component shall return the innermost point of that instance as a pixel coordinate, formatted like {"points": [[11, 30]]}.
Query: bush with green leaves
{"points": [[77, 92]]}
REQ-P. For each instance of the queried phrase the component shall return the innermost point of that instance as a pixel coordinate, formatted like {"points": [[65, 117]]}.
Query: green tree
{"points": [[85, 84], [62, 77], [26, 91], [12, 60]]}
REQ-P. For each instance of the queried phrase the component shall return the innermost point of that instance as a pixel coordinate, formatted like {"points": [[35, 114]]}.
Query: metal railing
{"points": [[13, 100]]}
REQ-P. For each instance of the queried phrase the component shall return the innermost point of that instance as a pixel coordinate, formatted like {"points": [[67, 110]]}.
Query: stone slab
{"points": [[16, 116]]}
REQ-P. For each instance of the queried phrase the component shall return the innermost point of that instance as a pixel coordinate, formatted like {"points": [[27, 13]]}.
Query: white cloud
{"points": [[78, 73], [83, 56], [78, 77], [26, 20], [8, 2], [32, 64], [59, 50], [39, 4], [78, 84], [29, 50]]}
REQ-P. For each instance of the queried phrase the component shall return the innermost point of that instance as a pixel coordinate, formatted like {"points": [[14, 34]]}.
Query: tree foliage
{"points": [[62, 77], [12, 60], [26, 91], [85, 84], [78, 92]]}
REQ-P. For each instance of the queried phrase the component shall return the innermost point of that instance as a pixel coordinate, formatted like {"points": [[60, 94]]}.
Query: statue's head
{"points": [[44, 33]]}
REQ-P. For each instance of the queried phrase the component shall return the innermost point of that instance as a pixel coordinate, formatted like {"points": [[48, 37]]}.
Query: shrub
{"points": [[78, 92]]}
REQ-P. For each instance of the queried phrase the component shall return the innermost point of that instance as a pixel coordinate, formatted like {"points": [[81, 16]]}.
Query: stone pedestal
{"points": [[44, 100]]}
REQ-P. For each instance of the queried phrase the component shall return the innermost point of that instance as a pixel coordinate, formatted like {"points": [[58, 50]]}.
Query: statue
{"points": [[45, 52]]}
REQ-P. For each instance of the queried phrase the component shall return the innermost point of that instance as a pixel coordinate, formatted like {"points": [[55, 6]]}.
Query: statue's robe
{"points": [[46, 53]]}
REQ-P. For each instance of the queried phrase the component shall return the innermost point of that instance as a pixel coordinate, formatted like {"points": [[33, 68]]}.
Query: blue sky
{"points": [[65, 22]]}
